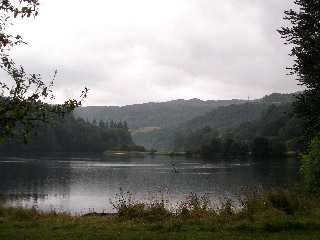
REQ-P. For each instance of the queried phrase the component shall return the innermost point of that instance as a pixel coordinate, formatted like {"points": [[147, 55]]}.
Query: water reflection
{"points": [[80, 183]]}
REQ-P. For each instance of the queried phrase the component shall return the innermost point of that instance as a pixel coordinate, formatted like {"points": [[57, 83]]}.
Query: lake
{"points": [[82, 183]]}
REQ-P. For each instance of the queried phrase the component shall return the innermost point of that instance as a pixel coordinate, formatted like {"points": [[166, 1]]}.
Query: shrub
{"points": [[311, 168], [251, 203], [195, 206], [227, 208], [127, 207], [280, 200]]}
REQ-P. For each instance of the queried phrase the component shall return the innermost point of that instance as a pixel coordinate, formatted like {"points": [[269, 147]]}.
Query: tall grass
{"points": [[269, 211], [128, 207]]}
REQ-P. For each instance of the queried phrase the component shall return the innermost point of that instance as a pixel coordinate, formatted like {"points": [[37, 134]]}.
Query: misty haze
{"points": [[143, 119]]}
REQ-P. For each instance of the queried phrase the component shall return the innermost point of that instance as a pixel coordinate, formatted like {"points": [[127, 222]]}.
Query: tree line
{"points": [[273, 133], [75, 135], [23, 95], [112, 124], [242, 123]]}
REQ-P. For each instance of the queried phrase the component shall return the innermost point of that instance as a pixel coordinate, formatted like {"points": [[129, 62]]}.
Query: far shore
{"points": [[146, 153], [288, 154]]}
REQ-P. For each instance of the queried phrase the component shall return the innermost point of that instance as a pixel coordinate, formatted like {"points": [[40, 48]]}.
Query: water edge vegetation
{"points": [[276, 214]]}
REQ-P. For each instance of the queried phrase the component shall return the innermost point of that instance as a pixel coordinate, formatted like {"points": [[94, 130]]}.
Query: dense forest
{"points": [[222, 118], [161, 115], [165, 114], [76, 135], [260, 126], [273, 133], [268, 118]]}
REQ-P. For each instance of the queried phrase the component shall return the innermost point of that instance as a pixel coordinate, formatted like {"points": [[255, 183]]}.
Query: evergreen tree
{"points": [[102, 124], [304, 35], [70, 135], [125, 125], [226, 147], [120, 125], [261, 147], [215, 146], [112, 124]]}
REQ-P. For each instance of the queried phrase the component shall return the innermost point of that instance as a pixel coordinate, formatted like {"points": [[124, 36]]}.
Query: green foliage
{"points": [[261, 147], [278, 149], [238, 149], [272, 133], [262, 215], [280, 199], [195, 206], [71, 135], [192, 133], [304, 36], [269, 121], [161, 115], [218, 147], [130, 148], [195, 139], [127, 207], [278, 98], [227, 208], [266, 147], [311, 168], [175, 120], [22, 95], [252, 202], [240, 123]]}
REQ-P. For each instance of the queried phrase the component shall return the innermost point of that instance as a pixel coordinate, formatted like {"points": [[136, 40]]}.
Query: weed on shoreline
{"points": [[278, 213]]}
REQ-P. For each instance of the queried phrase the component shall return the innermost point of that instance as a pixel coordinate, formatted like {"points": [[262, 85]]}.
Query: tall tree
{"points": [[125, 125], [120, 125], [304, 35], [261, 147], [102, 124], [112, 124], [22, 95]]}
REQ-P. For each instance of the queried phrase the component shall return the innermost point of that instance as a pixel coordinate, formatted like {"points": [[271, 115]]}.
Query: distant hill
{"points": [[161, 114], [273, 124], [279, 97], [220, 119], [157, 125], [242, 122]]}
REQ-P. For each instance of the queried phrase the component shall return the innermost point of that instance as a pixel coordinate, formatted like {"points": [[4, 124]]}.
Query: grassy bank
{"points": [[277, 214]]}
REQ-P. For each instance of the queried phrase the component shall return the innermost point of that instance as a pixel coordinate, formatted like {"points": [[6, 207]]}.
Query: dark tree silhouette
{"points": [[304, 35], [22, 95]]}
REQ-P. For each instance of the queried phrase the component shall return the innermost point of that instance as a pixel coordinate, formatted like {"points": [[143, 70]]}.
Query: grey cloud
{"points": [[211, 49]]}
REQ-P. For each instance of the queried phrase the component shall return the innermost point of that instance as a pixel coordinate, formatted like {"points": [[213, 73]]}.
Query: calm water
{"points": [[83, 183]]}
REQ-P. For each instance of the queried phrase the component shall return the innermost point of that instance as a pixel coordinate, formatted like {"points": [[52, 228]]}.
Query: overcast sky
{"points": [[135, 51]]}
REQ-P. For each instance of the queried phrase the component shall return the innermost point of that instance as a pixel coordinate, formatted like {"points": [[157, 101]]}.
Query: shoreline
{"points": [[277, 214], [288, 154], [146, 153]]}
